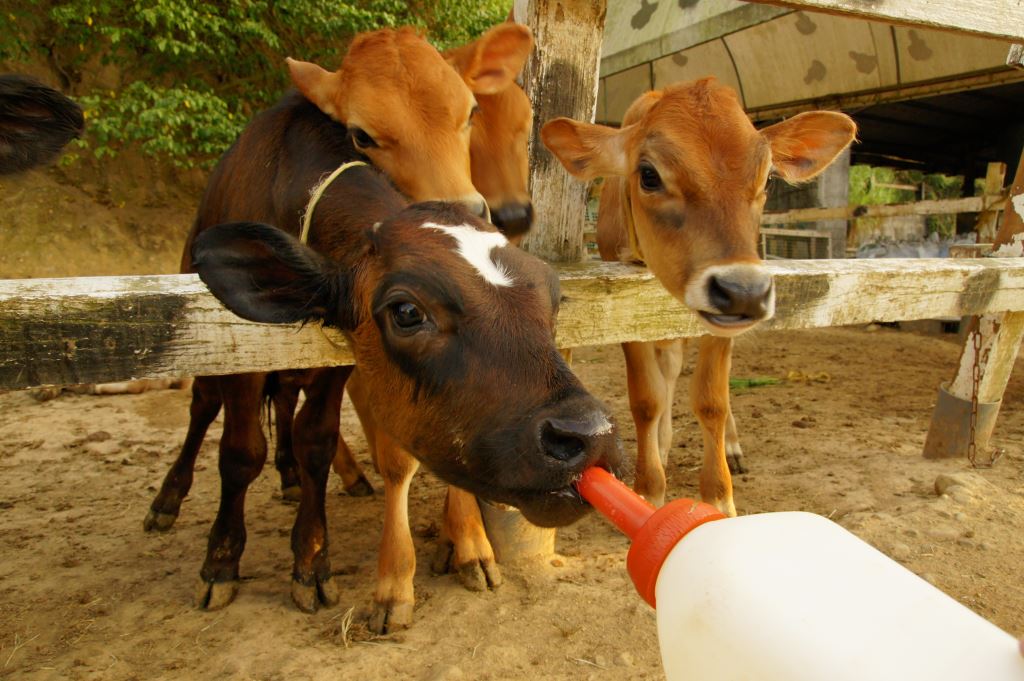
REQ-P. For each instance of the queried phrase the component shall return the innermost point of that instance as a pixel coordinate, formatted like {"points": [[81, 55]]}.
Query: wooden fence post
{"points": [[561, 80], [988, 220], [967, 407]]}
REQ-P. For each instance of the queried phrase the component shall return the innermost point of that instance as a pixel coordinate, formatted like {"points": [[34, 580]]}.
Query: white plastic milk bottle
{"points": [[791, 597]]}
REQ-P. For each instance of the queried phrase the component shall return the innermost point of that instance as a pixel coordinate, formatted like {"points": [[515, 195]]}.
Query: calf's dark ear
{"points": [[265, 275], [35, 123]]}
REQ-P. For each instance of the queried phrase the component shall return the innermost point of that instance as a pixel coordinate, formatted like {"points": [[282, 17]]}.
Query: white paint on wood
{"points": [[1018, 205], [1015, 58], [962, 385], [1014, 249]]}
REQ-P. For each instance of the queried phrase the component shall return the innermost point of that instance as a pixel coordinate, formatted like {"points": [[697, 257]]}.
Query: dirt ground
{"points": [[86, 594]]}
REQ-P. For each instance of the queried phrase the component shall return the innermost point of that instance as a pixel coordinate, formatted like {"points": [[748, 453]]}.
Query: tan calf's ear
{"points": [[804, 145], [587, 150], [316, 84], [491, 63]]}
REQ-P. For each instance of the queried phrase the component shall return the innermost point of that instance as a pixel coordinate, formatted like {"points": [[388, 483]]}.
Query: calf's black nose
{"points": [[572, 442], [563, 440]]}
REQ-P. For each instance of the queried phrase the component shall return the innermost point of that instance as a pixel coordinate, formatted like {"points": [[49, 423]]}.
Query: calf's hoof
{"points": [[390, 617], [734, 458], [215, 595], [477, 574], [157, 521], [309, 597], [360, 488], [291, 494]]}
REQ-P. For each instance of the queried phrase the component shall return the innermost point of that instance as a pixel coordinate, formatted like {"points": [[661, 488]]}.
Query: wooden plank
{"points": [[862, 100], [992, 18], [97, 329], [561, 80], [970, 204], [810, 233]]}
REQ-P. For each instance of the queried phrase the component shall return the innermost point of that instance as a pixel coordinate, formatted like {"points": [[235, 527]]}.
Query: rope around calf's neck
{"points": [[317, 192]]}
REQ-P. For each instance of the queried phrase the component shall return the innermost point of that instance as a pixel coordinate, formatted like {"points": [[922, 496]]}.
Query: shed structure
{"points": [[923, 98]]}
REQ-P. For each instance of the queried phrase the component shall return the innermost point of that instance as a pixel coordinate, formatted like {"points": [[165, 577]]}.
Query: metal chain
{"points": [[972, 447]]}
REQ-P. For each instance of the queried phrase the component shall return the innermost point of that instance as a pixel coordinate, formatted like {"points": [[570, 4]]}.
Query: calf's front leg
{"points": [[205, 406], [243, 451], [709, 395], [315, 438], [648, 400], [463, 545], [396, 562]]}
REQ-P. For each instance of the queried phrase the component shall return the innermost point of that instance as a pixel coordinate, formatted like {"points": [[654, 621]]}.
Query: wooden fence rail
{"points": [[98, 329], [970, 204]]}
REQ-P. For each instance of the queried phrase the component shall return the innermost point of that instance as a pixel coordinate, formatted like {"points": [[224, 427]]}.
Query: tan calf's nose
{"points": [[513, 219], [748, 297], [476, 205]]}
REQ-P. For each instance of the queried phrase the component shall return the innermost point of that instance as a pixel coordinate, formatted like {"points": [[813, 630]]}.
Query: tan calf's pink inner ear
{"points": [[804, 145], [315, 83]]}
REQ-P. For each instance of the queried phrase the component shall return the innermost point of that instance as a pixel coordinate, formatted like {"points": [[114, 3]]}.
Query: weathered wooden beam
{"points": [[862, 100], [992, 18], [561, 80], [808, 233], [98, 329], [970, 204]]}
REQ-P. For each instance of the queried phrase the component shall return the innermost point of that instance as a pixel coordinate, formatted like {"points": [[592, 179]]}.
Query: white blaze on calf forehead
{"points": [[475, 247]]}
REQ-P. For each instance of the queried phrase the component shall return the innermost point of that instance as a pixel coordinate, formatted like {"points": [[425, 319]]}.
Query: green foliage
{"points": [[190, 74], [178, 123], [867, 188]]}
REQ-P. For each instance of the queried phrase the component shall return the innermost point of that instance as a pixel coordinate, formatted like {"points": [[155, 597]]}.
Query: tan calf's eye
{"points": [[650, 180], [362, 139]]}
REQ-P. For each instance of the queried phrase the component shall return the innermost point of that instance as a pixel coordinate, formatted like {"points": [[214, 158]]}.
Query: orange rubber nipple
{"points": [[654, 532]]}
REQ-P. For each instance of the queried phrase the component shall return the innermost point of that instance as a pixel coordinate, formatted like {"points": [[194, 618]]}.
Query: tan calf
{"points": [[685, 188]]}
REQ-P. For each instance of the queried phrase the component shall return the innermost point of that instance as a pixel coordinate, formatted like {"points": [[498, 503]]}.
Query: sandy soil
{"points": [[86, 594]]}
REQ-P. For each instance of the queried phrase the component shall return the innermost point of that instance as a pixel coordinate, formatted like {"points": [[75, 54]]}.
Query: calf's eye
{"points": [[406, 316], [361, 139], [650, 180]]}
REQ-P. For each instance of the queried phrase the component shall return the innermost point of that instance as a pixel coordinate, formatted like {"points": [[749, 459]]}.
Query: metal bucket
{"points": [[950, 432], [514, 538]]}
